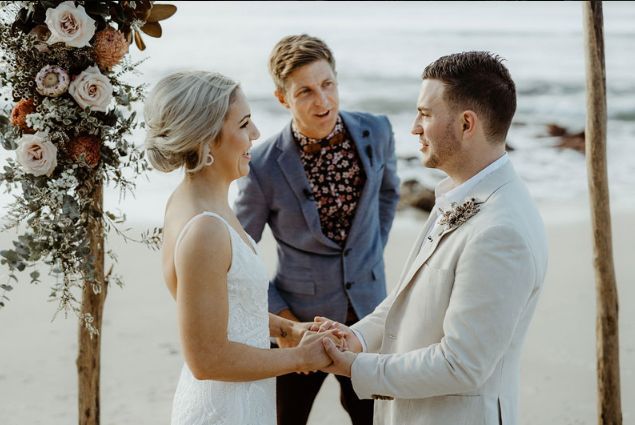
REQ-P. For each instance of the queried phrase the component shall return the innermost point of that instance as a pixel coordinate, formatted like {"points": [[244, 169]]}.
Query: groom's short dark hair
{"points": [[478, 81]]}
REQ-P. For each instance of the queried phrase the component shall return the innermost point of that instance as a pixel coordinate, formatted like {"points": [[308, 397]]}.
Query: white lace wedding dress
{"points": [[233, 403]]}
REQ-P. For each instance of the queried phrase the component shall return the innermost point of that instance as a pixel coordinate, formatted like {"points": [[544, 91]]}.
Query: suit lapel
{"points": [[482, 192], [361, 137], [414, 252], [293, 171], [426, 251]]}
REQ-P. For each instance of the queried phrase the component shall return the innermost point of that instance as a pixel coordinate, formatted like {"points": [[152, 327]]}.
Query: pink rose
{"points": [[69, 24], [36, 154], [92, 89]]}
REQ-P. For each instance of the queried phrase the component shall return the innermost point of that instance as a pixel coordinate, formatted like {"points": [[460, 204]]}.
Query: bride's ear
{"points": [[279, 94]]}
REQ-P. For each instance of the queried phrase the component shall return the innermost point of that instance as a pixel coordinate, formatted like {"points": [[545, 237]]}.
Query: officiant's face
{"points": [[311, 95], [437, 126]]}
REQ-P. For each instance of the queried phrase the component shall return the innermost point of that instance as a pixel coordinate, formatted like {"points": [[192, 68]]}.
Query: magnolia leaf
{"points": [[6, 287], [153, 29], [159, 12], [139, 41]]}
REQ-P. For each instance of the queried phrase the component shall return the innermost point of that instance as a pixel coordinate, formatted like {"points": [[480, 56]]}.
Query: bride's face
{"points": [[231, 153]]}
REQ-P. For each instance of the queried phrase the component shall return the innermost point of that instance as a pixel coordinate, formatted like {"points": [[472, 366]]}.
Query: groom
{"points": [[327, 187], [444, 347]]}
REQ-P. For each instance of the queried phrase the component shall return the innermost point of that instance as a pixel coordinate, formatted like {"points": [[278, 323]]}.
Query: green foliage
{"points": [[52, 214]]}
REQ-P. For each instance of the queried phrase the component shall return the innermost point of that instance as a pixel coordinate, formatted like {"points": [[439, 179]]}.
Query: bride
{"points": [[201, 121]]}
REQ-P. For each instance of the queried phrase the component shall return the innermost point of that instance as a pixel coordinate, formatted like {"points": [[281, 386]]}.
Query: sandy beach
{"points": [[141, 357]]}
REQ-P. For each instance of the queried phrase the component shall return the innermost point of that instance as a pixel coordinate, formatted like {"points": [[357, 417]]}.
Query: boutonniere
{"points": [[459, 214]]}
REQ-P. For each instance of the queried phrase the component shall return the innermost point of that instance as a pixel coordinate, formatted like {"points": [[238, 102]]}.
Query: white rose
{"points": [[70, 25], [36, 154], [91, 88]]}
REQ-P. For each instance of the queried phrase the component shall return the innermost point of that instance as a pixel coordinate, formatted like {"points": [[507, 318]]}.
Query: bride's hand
{"points": [[291, 330], [298, 331], [312, 350]]}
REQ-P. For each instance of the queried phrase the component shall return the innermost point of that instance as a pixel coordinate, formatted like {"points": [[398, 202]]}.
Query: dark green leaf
{"points": [[10, 255]]}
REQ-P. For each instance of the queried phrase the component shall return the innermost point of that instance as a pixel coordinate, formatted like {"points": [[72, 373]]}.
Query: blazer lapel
{"points": [[482, 192], [293, 171], [425, 253], [416, 249], [361, 138]]}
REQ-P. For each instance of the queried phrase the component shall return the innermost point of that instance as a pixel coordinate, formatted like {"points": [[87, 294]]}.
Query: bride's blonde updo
{"points": [[184, 113]]}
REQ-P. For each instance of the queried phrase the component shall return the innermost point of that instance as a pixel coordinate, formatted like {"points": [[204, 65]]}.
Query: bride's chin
{"points": [[243, 170]]}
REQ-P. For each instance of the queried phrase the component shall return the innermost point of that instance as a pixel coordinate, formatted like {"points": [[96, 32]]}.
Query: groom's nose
{"points": [[416, 129]]}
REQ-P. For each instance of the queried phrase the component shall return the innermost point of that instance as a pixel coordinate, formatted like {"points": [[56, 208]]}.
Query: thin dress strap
{"points": [[189, 223]]}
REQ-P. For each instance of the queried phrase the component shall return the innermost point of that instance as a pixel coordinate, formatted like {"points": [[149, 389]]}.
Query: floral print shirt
{"points": [[336, 177]]}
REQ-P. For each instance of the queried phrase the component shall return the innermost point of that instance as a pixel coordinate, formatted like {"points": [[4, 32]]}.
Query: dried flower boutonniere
{"points": [[459, 214]]}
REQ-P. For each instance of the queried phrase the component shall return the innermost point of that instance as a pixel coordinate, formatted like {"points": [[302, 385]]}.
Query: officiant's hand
{"points": [[322, 324], [342, 361]]}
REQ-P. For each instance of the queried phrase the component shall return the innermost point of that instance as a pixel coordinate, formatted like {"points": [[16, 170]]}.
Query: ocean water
{"points": [[381, 49]]}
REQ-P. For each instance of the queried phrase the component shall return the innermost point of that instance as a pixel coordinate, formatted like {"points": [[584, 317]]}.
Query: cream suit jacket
{"points": [[444, 347]]}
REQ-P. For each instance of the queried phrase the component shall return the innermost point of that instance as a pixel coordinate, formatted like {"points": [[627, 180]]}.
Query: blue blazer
{"points": [[315, 274]]}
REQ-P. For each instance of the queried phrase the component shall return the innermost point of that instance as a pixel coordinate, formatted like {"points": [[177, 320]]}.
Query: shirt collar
{"points": [[445, 194], [305, 140]]}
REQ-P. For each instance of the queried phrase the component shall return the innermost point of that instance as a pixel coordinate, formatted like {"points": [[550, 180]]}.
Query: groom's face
{"points": [[437, 127], [310, 93]]}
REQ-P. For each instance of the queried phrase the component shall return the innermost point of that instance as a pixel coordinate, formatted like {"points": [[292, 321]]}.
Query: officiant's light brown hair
{"points": [[293, 52], [478, 81]]}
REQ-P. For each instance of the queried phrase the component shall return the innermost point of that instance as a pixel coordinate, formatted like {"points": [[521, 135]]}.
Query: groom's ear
{"points": [[469, 121], [279, 94]]}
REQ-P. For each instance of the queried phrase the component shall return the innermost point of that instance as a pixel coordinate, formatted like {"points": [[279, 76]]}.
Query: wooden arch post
{"points": [[607, 331], [89, 356]]}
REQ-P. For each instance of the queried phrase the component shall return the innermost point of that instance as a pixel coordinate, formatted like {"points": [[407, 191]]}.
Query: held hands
{"points": [[323, 344], [342, 360], [322, 324], [314, 355]]}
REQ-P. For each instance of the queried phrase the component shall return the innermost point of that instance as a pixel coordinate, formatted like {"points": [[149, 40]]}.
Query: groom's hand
{"points": [[322, 324], [313, 354], [342, 361]]}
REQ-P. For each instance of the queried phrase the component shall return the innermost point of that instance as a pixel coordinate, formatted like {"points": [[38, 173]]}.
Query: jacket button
{"points": [[347, 251], [349, 284]]}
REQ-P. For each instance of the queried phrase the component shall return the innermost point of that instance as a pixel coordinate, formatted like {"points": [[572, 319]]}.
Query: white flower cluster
{"points": [[64, 185]]}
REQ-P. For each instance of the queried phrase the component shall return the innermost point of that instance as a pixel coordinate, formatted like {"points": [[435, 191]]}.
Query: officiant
{"points": [[327, 187]]}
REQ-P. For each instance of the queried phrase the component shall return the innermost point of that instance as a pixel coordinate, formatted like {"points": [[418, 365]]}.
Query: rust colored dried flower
{"points": [[19, 113], [85, 149], [110, 47]]}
